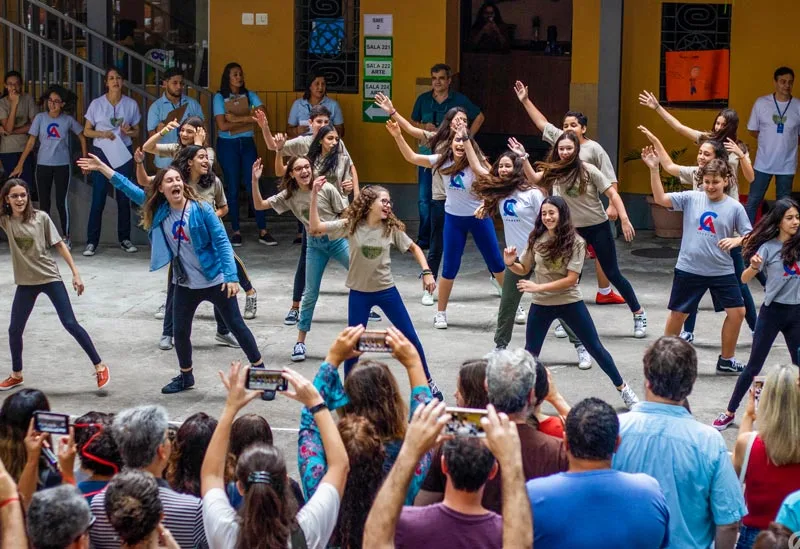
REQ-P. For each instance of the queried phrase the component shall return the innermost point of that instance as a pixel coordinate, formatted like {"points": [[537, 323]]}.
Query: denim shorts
{"points": [[688, 289]]}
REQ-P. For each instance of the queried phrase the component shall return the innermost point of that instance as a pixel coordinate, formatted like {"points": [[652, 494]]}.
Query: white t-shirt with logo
{"points": [[458, 189], [777, 152], [519, 211], [104, 116]]}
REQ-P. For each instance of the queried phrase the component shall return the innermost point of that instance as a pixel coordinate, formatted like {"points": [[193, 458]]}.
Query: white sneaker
{"points": [[628, 396], [498, 288], [427, 298], [640, 325], [584, 358], [521, 315], [440, 320], [90, 250], [250, 306], [688, 337], [128, 246], [561, 333], [159, 314], [299, 352]]}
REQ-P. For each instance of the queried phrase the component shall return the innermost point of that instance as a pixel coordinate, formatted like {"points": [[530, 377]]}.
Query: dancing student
{"points": [[233, 115], [591, 152], [190, 132], [554, 253], [371, 229], [109, 117], [31, 233], [690, 177], [773, 248], [460, 206], [710, 220], [53, 162], [295, 195], [199, 252]]}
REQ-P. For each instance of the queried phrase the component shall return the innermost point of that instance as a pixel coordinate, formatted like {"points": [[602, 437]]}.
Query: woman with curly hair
{"points": [[555, 253], [188, 451], [372, 229], [97, 451], [772, 248]]}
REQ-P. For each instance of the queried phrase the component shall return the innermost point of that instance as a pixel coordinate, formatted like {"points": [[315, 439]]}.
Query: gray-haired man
{"points": [[59, 518]]}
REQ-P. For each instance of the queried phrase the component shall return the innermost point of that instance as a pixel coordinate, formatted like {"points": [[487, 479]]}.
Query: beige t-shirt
{"points": [[339, 174], [300, 145], [545, 271], [214, 195], [30, 245], [370, 259], [26, 111], [438, 191], [586, 208], [329, 204], [170, 150], [591, 151]]}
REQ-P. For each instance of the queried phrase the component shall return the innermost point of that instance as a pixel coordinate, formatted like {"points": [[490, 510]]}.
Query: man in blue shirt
{"points": [[627, 510], [171, 99], [429, 110], [688, 459]]}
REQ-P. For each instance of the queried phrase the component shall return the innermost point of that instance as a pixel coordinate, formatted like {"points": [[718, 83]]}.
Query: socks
{"points": [[604, 291], [728, 359]]}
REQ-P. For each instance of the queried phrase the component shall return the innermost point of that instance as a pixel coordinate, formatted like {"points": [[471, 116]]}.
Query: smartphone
{"points": [[261, 379], [758, 386], [50, 422], [373, 342], [465, 422]]}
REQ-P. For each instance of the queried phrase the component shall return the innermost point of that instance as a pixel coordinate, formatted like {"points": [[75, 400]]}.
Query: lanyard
{"points": [[781, 115]]}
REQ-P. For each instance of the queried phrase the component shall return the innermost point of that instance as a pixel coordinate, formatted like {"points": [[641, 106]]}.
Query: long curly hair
{"points": [[288, 182], [560, 247], [29, 211], [358, 210], [492, 188], [565, 173], [315, 151], [154, 198], [182, 159], [374, 395], [768, 227], [189, 449]]}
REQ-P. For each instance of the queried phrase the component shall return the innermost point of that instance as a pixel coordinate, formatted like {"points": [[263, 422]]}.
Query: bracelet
{"points": [[394, 112], [525, 156], [319, 407], [139, 161], [7, 501], [164, 132], [425, 272]]}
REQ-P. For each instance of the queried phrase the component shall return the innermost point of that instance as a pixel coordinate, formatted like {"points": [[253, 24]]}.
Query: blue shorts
{"points": [[688, 289]]}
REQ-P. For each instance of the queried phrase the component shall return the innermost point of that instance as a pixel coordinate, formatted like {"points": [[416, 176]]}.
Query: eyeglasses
{"points": [[386, 202], [18, 196], [55, 101], [301, 168]]}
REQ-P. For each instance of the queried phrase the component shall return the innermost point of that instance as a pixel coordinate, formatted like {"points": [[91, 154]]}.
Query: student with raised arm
{"points": [[711, 219], [190, 132]]}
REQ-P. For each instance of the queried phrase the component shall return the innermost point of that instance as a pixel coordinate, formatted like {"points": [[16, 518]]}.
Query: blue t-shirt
{"points": [[219, 108], [301, 110], [90, 488], [158, 112], [428, 110], [789, 513], [53, 135], [627, 510]]}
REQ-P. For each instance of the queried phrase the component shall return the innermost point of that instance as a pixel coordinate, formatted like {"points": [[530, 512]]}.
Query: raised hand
{"points": [[200, 136], [733, 147], [516, 146], [318, 184], [648, 99], [92, 163], [393, 128], [648, 134], [280, 140], [402, 349], [303, 390], [234, 382], [521, 90], [384, 102], [260, 118], [258, 169], [344, 346], [171, 125], [425, 427], [650, 157], [510, 255]]}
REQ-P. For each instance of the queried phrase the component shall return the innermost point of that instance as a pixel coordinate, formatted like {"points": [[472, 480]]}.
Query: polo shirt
{"points": [[159, 110], [301, 110], [428, 110]]}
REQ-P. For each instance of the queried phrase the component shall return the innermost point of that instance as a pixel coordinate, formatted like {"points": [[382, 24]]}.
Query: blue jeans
{"points": [[359, 305], [320, 251], [747, 536], [425, 177], [759, 186], [437, 236], [236, 157], [100, 186]]}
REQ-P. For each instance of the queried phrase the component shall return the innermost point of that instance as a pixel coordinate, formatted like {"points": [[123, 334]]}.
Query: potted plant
{"points": [[667, 223]]}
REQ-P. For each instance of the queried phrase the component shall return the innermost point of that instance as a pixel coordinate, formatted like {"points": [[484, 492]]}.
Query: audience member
{"points": [[489, 33], [315, 94], [17, 111], [16, 416], [189, 449], [98, 452], [789, 512], [59, 518], [688, 459], [545, 390], [628, 510], [776, 536], [12, 520]]}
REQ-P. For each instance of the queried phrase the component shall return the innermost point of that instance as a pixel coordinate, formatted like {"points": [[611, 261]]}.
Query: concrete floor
{"points": [[121, 297]]}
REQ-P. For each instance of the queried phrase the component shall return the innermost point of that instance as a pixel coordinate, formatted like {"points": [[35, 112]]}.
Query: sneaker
{"points": [[440, 320], [521, 315], [584, 358], [250, 306], [236, 240], [427, 298], [723, 421], [90, 250], [628, 396], [561, 333], [10, 382], [500, 348], [128, 246], [435, 390], [226, 339], [299, 352], [730, 367], [103, 378], [179, 383], [609, 299], [68, 243], [374, 317], [166, 343], [292, 317], [498, 288], [640, 325], [688, 337], [159, 314], [267, 240]]}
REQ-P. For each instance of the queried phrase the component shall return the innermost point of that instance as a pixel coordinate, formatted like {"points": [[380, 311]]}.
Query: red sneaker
{"points": [[590, 252], [610, 299], [10, 382], [723, 421], [103, 378]]}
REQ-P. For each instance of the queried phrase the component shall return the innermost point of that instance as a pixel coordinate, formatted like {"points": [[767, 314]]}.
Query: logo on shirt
{"points": [[52, 131], [707, 222], [791, 270], [116, 122], [24, 243], [457, 181], [179, 231], [510, 208], [371, 252]]}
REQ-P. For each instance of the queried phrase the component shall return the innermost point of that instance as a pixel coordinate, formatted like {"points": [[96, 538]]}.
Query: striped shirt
{"points": [[183, 517]]}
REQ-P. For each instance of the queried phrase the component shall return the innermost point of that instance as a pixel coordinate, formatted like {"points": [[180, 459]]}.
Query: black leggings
{"points": [[21, 308], [46, 177], [300, 272]]}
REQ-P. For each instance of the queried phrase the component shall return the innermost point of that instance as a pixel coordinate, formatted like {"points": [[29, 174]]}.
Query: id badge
{"points": [[780, 127]]}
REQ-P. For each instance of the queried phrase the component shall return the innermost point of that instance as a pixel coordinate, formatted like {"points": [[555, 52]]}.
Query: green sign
{"points": [[373, 113], [372, 88], [376, 68], [378, 46]]}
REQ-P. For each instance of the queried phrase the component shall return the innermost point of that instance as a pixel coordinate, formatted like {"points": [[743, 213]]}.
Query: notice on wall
{"points": [[378, 24], [377, 68], [697, 75], [378, 64], [377, 47], [371, 89]]}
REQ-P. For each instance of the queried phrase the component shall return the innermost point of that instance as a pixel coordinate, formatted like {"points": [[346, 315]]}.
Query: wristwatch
{"points": [[318, 408]]}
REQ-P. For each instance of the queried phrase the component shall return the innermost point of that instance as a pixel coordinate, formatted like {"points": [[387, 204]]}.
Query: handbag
{"points": [[177, 267]]}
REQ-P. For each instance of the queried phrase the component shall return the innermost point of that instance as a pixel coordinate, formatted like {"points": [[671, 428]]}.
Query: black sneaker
{"points": [[181, 382], [374, 317], [267, 240], [730, 367], [236, 240]]}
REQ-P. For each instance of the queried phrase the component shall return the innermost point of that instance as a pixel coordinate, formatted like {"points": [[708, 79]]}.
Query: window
{"points": [[692, 27], [326, 42]]}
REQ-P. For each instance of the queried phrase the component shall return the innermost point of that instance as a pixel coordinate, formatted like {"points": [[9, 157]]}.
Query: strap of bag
{"points": [[747, 451]]}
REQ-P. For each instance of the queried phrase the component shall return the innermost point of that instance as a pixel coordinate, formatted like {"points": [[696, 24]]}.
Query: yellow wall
{"points": [[585, 71], [756, 50]]}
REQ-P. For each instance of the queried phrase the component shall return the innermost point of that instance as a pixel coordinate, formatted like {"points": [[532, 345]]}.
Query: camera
{"points": [[50, 422], [373, 342], [465, 422]]}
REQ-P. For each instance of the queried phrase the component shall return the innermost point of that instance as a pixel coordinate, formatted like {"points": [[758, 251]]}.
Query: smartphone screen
{"points": [[758, 386], [373, 342], [50, 422], [261, 379], [465, 422]]}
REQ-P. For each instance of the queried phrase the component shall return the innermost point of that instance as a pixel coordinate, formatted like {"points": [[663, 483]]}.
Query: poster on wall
{"points": [[697, 75]]}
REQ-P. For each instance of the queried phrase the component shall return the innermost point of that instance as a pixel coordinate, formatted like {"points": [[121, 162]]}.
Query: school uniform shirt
{"points": [[30, 245], [688, 177], [777, 152], [586, 208], [214, 195], [176, 228], [370, 259], [329, 204], [170, 151], [339, 174], [458, 188], [299, 146], [546, 270], [26, 110], [591, 151], [705, 223], [519, 211], [301, 111], [159, 110], [53, 135], [219, 103], [783, 281], [104, 116]]}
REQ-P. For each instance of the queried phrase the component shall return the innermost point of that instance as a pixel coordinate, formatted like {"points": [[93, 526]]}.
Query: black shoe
{"points": [[374, 317], [267, 240], [730, 367], [181, 382], [236, 240]]}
